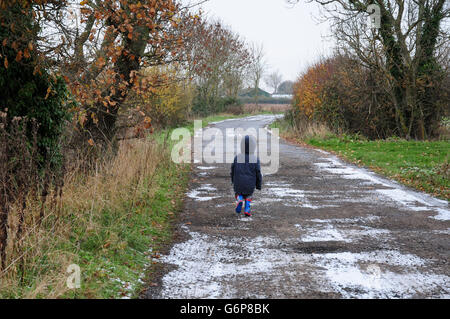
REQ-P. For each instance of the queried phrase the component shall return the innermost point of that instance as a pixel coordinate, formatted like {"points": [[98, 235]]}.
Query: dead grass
{"points": [[302, 131], [36, 266]]}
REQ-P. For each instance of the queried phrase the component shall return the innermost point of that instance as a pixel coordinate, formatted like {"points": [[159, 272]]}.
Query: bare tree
{"points": [[273, 80], [216, 59], [407, 47], [286, 87], [257, 67]]}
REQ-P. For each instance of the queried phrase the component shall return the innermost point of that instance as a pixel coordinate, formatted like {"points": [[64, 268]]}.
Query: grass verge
{"points": [[109, 223], [115, 268], [423, 165]]}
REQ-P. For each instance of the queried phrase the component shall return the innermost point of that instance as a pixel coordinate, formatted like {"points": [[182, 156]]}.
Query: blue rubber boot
{"points": [[247, 207], [240, 202]]}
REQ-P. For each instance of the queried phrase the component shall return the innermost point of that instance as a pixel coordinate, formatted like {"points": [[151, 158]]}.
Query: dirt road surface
{"points": [[321, 228]]}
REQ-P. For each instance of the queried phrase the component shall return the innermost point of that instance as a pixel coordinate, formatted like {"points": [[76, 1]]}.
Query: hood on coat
{"points": [[248, 145]]}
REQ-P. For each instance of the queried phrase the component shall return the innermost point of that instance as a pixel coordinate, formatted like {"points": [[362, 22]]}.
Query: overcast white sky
{"points": [[291, 36]]}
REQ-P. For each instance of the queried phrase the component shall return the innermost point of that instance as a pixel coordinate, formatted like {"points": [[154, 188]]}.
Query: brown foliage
{"points": [[101, 47], [346, 96]]}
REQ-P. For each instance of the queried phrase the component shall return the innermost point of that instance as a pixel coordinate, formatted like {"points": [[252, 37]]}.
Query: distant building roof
{"points": [[252, 92], [282, 96]]}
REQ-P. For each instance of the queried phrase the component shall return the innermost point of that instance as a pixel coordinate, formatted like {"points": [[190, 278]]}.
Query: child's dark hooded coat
{"points": [[246, 169]]}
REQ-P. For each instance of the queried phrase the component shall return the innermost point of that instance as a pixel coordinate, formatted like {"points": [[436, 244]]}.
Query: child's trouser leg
{"points": [[247, 208]]}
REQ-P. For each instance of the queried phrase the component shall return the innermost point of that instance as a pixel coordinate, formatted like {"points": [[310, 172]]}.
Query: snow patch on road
{"points": [[367, 219], [281, 191], [442, 231], [399, 195], [206, 167], [344, 230], [364, 275], [321, 151], [443, 214], [202, 193], [209, 266], [261, 117], [327, 233], [206, 263]]}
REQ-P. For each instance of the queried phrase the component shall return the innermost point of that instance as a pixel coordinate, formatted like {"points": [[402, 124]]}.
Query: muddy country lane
{"points": [[320, 228]]}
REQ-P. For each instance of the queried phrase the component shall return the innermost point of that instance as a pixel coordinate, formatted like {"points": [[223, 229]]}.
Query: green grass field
{"points": [[423, 165]]}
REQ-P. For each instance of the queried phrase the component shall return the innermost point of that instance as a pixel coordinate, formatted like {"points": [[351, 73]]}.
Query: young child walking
{"points": [[246, 175]]}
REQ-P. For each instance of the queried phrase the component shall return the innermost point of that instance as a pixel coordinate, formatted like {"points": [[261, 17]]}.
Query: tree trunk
{"points": [[102, 118]]}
